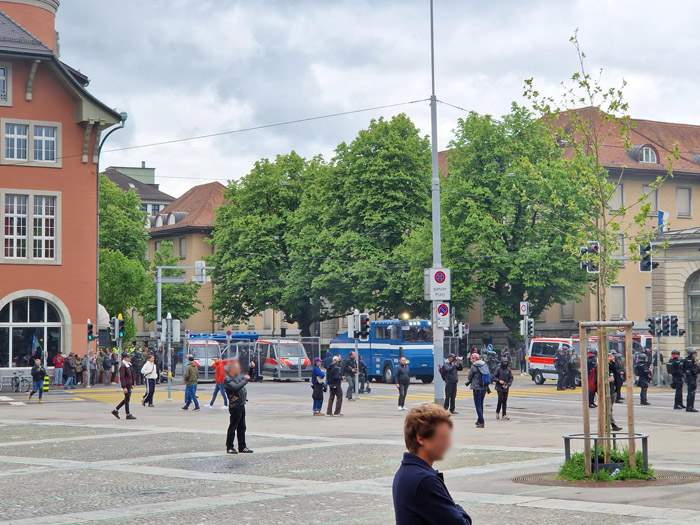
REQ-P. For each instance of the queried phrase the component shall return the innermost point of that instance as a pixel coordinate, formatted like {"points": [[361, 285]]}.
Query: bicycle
{"points": [[18, 383]]}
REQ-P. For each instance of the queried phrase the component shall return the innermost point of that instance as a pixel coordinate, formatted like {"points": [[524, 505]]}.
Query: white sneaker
{"points": [[223, 408], [400, 409]]}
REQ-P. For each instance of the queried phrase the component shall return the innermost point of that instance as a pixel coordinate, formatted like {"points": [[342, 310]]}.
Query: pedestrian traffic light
{"points": [[590, 257], [646, 264], [530, 327], [364, 327], [651, 322], [674, 326], [119, 327], [90, 333], [113, 329], [665, 325]]}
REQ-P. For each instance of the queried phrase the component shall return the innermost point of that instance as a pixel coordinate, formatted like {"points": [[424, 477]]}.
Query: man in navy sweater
{"points": [[420, 494]]}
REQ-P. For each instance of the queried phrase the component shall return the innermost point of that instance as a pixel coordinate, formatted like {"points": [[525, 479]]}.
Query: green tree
{"points": [[180, 300], [121, 221], [122, 281]]}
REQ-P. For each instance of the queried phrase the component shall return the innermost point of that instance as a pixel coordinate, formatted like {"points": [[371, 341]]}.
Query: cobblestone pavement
{"points": [[61, 465]]}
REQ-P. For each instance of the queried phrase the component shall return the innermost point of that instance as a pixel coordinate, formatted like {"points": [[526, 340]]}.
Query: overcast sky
{"points": [[182, 68]]}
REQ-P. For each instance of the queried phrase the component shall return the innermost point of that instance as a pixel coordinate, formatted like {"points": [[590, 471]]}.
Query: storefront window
{"points": [[30, 328], [694, 310]]}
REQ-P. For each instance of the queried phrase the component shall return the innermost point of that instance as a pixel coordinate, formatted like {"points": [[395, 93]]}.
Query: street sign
{"points": [[443, 315], [437, 284], [524, 308], [466, 328]]}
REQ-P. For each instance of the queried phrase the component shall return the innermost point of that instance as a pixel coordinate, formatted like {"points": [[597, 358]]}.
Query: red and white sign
{"points": [[443, 310], [524, 308], [437, 284]]}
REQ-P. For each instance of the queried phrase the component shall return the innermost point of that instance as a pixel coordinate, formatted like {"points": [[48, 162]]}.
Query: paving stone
{"points": [[9, 433]]}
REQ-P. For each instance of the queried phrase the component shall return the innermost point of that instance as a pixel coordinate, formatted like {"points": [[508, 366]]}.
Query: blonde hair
{"points": [[422, 421]]}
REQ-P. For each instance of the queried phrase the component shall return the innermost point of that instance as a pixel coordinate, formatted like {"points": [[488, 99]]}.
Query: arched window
{"points": [[694, 310], [647, 155], [29, 328]]}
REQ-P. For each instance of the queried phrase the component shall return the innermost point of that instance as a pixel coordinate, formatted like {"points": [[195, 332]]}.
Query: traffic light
{"points": [[590, 264], [665, 325], [160, 334], [90, 333], [646, 264], [674, 326], [530, 327], [364, 327], [651, 322], [113, 329], [119, 327]]}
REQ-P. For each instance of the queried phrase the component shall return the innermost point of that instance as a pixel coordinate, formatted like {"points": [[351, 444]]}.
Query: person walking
{"points": [[612, 372], [335, 388], [191, 378], [478, 380], [691, 369], [78, 365], [643, 371], [504, 379], [234, 387], [69, 372], [58, 370], [419, 491], [318, 387], [674, 367], [150, 373], [402, 379], [450, 374], [126, 379], [362, 377], [219, 378], [38, 373], [349, 370]]}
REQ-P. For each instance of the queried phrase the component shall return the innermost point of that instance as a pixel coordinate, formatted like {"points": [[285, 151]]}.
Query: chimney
{"points": [[143, 163], [36, 16]]}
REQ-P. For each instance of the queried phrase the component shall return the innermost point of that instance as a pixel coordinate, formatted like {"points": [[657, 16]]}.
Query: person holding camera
{"points": [[450, 370]]}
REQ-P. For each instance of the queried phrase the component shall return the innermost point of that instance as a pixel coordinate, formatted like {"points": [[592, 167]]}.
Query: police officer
{"points": [[675, 369], [690, 369], [612, 372], [573, 365], [560, 365], [643, 371]]}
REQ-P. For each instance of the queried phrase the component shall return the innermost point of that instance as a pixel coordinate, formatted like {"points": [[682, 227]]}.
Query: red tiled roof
{"points": [[199, 203]]}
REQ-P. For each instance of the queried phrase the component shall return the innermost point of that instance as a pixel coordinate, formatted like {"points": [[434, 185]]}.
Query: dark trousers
{"points": [[690, 402], [617, 398], [561, 379], [125, 402], [571, 378], [479, 396], [523, 366], [403, 389], [678, 401], [236, 425], [335, 393], [643, 385], [362, 378], [150, 390], [450, 396], [591, 397], [502, 401]]}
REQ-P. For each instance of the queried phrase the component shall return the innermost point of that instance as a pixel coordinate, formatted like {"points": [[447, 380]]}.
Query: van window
{"points": [[386, 332], [544, 348]]}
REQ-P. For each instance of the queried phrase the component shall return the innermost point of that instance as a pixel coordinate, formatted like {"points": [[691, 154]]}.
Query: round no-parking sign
{"points": [[443, 310], [440, 277]]}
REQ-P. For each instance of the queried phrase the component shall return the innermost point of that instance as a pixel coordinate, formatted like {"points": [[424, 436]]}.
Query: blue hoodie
{"points": [[421, 497]]}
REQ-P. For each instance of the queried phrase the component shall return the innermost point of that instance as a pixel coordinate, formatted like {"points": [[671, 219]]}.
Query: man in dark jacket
{"points": [[675, 370], [349, 370], [503, 378], [127, 379], [234, 385], [38, 373], [592, 367], [335, 389], [69, 372], [478, 380], [691, 369], [643, 371], [419, 491], [452, 366], [402, 379], [561, 362]]}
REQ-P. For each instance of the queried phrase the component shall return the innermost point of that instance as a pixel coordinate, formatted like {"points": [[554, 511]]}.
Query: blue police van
{"points": [[389, 340]]}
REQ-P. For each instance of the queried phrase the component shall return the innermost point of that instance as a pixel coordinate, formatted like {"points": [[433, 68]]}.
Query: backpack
{"points": [[441, 371], [485, 377]]}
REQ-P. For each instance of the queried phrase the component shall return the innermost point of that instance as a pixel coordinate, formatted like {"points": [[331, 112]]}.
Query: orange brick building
{"points": [[50, 129]]}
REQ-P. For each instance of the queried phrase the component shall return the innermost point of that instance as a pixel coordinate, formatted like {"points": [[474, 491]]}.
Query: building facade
{"points": [[50, 128], [133, 179]]}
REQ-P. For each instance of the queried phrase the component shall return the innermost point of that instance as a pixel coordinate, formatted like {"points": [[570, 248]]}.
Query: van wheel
{"points": [[538, 378], [388, 374], [426, 379]]}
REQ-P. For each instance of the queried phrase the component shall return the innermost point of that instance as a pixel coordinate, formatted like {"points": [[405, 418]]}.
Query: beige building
{"points": [[633, 297]]}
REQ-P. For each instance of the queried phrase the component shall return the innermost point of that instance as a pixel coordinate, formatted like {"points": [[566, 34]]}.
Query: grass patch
{"points": [[575, 468]]}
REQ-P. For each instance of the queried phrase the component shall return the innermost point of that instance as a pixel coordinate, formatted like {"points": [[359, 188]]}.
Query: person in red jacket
{"points": [[219, 378], [127, 379], [58, 370]]}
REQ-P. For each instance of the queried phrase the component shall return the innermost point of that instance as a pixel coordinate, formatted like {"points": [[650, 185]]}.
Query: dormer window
{"points": [[647, 155]]}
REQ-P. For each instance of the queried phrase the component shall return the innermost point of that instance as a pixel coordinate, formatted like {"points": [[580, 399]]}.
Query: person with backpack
{"points": [[675, 369], [478, 380], [643, 371], [402, 379], [450, 369], [503, 378]]}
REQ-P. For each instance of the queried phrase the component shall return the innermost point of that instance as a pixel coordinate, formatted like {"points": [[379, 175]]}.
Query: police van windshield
{"points": [[291, 350], [418, 334], [205, 351]]}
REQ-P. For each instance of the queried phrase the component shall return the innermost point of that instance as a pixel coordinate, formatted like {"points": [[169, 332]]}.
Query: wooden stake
{"points": [[629, 383], [583, 353]]}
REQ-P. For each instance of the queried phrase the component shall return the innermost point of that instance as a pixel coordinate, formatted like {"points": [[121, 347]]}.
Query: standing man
{"points": [[191, 378], [318, 387], [643, 371], [349, 370], [573, 367], [335, 389], [592, 367], [402, 379], [58, 370], [505, 354], [362, 376], [126, 379], [219, 378], [38, 373], [107, 367], [100, 366], [675, 369], [522, 361], [419, 491], [690, 369], [612, 373], [78, 366], [479, 379], [150, 373], [450, 369], [69, 372], [560, 364], [234, 386], [503, 378]]}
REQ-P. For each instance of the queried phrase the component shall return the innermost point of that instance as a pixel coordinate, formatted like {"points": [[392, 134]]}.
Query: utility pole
{"points": [[438, 335], [168, 350]]}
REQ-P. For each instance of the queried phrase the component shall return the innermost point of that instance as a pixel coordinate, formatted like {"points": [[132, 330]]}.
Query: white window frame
{"points": [[624, 302], [7, 100], [180, 242], [653, 197], [30, 162], [690, 202], [15, 137], [44, 140], [29, 257], [642, 155], [46, 222], [619, 189], [16, 217]]}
